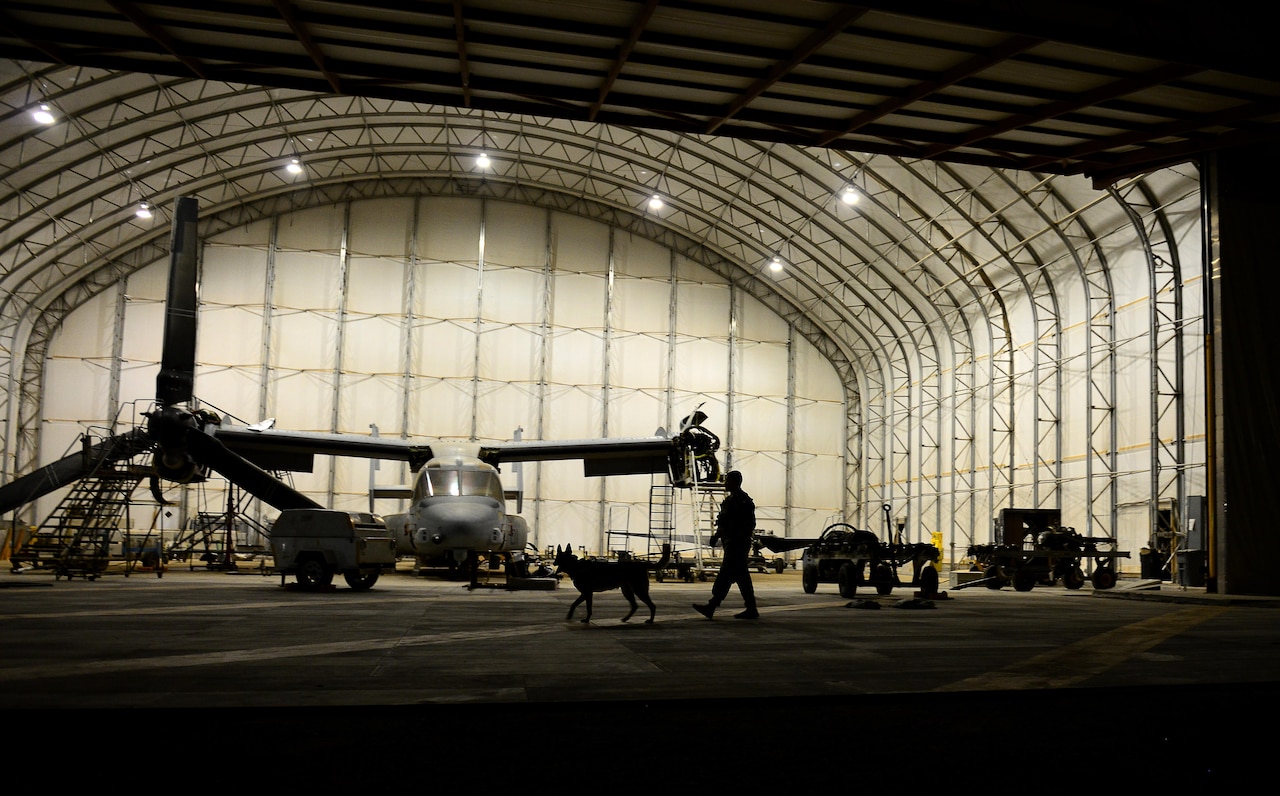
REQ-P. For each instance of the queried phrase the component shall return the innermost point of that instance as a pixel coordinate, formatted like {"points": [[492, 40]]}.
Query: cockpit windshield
{"points": [[459, 483]]}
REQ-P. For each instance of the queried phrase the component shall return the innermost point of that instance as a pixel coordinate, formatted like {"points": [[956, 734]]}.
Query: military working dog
{"points": [[596, 575]]}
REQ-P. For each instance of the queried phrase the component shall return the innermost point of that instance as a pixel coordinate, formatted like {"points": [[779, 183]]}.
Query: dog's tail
{"points": [[666, 556]]}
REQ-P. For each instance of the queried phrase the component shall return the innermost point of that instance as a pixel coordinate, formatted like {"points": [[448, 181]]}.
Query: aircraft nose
{"points": [[458, 524]]}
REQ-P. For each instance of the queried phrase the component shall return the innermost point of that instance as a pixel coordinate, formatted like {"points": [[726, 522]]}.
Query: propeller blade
{"points": [[71, 468], [175, 384]]}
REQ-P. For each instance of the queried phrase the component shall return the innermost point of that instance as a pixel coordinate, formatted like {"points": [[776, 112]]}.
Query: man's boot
{"points": [[707, 610]]}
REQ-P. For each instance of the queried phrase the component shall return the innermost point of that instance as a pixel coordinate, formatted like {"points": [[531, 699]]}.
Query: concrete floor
{"points": [[1148, 686]]}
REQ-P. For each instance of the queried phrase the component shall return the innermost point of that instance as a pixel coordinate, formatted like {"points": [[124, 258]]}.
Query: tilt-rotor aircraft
{"points": [[458, 505]]}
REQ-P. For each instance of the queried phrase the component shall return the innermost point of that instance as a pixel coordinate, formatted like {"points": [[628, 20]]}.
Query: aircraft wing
{"points": [[617, 456], [277, 449]]}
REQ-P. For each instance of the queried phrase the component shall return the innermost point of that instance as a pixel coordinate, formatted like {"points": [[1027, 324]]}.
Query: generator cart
{"points": [[313, 545], [1037, 549], [850, 558]]}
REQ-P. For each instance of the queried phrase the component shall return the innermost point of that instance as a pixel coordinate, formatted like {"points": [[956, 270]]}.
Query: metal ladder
{"points": [[75, 539]]}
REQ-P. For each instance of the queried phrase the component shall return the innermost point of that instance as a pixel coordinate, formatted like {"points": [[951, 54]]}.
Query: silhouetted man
{"points": [[735, 527]]}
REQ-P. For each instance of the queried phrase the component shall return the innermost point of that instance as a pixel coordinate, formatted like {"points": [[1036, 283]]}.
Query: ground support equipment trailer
{"points": [[313, 545], [1055, 555], [850, 558], [1032, 546]]}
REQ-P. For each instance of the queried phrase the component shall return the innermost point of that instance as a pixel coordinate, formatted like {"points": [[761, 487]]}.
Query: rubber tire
{"points": [[313, 572], [1104, 578], [1024, 580], [929, 580], [848, 580], [809, 580], [885, 577], [1074, 578], [360, 582]]}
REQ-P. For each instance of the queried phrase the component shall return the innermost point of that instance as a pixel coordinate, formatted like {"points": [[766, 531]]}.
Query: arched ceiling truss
{"points": [[909, 292]]}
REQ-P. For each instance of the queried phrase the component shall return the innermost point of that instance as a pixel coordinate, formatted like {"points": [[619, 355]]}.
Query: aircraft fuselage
{"points": [[458, 506]]}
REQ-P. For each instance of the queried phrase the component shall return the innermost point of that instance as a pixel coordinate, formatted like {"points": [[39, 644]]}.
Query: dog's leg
{"points": [[575, 605], [644, 595], [587, 619], [630, 594]]}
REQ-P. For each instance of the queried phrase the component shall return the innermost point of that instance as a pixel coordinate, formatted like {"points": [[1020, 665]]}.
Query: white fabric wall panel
{"points": [[638, 361], [573, 413], [702, 310], [92, 337], [758, 322], [447, 290], [376, 286], [440, 408], [83, 393], [762, 370], [231, 275], [579, 245], [640, 258], [301, 401], [819, 428], [229, 337], [642, 305], [513, 296], [702, 366], [449, 230], [304, 341], [372, 345], [578, 301], [382, 228], [444, 349], [817, 482], [365, 400], [760, 424], [515, 235], [502, 408], [510, 353], [314, 229], [308, 281], [576, 357], [143, 331], [634, 413]]}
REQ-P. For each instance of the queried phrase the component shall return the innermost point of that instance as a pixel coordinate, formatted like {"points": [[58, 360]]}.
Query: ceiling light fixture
{"points": [[294, 167], [850, 196], [775, 264], [483, 161], [43, 114], [655, 202], [144, 211]]}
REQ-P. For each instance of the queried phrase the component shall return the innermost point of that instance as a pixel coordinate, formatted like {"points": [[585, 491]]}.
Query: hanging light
{"points": [[483, 161], [655, 202], [294, 167], [850, 196], [144, 211], [43, 114], [775, 264]]}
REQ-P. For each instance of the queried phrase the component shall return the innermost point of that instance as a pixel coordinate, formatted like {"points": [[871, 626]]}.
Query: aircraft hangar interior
{"points": [[918, 263]]}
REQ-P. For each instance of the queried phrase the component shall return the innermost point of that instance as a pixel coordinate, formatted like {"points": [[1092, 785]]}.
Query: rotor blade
{"points": [[781, 545], [246, 475], [70, 469], [175, 383]]}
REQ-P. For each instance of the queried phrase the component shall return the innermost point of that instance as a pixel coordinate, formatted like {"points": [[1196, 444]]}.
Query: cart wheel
{"points": [[313, 572], [359, 581], [1074, 578], [1024, 580], [884, 577], [1104, 578], [809, 579], [929, 580], [848, 580], [995, 577]]}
